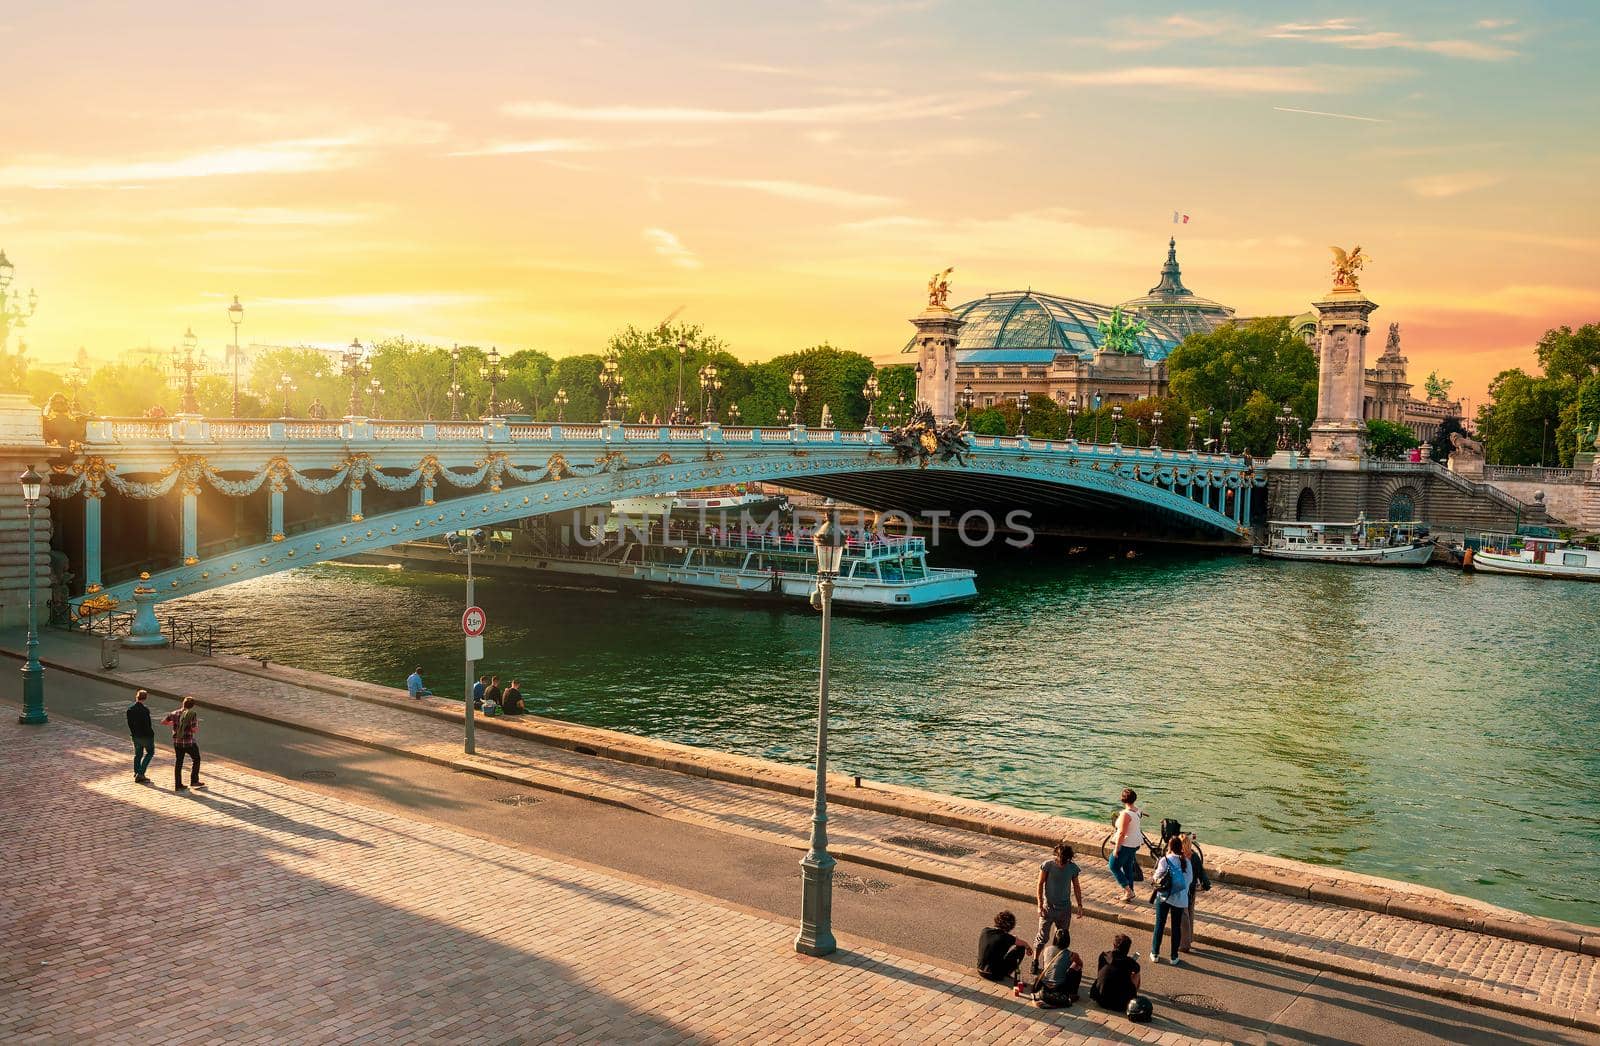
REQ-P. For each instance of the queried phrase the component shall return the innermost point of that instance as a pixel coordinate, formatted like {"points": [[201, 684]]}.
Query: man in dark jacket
{"points": [[1000, 951], [143, 733]]}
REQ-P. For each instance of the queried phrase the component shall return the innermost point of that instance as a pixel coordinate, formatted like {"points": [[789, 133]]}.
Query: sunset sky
{"points": [[538, 175]]}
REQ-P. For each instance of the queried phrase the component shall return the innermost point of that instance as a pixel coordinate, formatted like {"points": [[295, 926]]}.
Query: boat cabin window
{"points": [[1574, 559]]}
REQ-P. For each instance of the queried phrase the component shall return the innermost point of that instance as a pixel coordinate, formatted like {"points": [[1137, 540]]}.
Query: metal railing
{"points": [[199, 638], [1534, 474]]}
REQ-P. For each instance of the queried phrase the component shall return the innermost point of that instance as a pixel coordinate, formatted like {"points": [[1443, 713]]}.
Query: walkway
{"points": [[256, 911], [1521, 977]]}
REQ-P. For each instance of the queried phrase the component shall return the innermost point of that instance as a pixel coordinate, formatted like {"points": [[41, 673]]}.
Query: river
{"points": [[1424, 725]]}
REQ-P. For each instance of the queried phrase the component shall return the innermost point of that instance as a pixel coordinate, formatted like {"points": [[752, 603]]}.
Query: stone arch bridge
{"points": [[155, 509]]}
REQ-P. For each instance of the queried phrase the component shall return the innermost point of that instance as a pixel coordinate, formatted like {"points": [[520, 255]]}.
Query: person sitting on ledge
{"points": [[511, 700], [415, 686], [1063, 973], [1118, 980], [478, 690], [1000, 951]]}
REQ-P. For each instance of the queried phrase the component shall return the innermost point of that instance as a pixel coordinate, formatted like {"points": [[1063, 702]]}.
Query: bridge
{"points": [[155, 509]]}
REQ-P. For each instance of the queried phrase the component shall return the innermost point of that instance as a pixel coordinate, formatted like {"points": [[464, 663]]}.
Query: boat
{"points": [[1533, 557], [1362, 543], [713, 545]]}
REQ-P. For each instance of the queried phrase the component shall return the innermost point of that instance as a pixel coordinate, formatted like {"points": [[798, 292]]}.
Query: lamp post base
{"points": [[33, 696], [816, 906]]}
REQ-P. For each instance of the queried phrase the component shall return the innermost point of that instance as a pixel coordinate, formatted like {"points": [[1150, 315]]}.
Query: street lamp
{"points": [[969, 399], [455, 384], [351, 363], [1227, 428], [375, 390], [236, 317], [1155, 430], [286, 385], [14, 312], [77, 378], [187, 365], [561, 405], [677, 409], [816, 868], [733, 413], [1283, 427], [1072, 418], [32, 671], [1194, 429], [611, 381], [870, 393], [491, 372], [623, 403], [1116, 424], [1022, 413], [783, 415], [709, 383], [797, 389]]}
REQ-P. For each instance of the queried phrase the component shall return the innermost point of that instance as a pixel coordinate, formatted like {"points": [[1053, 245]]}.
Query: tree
{"points": [[315, 375], [1389, 440], [1223, 371], [834, 378], [896, 380], [1437, 388], [990, 421], [650, 362], [1567, 353], [580, 377], [1520, 423]]}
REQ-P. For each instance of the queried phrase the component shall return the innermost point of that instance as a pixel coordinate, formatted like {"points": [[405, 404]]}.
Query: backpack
{"points": [[1169, 828], [1161, 882]]}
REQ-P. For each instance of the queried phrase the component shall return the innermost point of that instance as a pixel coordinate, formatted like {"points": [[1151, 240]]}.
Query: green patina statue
{"points": [[1120, 332]]}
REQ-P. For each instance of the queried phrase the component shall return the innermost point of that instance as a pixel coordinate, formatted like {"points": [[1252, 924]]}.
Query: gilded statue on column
{"points": [[939, 289], [1345, 267]]}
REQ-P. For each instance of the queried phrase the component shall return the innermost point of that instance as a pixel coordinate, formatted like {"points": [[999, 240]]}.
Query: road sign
{"points": [[474, 621], [474, 648]]}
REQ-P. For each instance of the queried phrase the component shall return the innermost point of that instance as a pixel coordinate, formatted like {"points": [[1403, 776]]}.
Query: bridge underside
{"points": [[1050, 507]]}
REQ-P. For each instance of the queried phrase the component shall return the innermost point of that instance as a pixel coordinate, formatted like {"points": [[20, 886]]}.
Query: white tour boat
{"points": [[1361, 543], [1537, 557]]}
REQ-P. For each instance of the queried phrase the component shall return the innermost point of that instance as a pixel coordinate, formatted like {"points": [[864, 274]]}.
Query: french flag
{"points": [[1179, 219]]}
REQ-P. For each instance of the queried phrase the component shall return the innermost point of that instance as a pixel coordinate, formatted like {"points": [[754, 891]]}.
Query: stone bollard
{"points": [[146, 629]]}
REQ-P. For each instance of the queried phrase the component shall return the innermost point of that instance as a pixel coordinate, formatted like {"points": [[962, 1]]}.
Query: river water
{"points": [[1425, 725]]}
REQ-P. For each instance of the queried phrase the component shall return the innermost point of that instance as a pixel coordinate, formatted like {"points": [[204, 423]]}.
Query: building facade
{"points": [[1015, 343]]}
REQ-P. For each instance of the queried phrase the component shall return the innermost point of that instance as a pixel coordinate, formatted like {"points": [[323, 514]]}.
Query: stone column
{"points": [[1336, 435], [937, 332], [22, 446]]}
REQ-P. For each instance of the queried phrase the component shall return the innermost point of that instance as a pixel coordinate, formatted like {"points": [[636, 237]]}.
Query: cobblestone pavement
{"points": [[256, 911], [1389, 948]]}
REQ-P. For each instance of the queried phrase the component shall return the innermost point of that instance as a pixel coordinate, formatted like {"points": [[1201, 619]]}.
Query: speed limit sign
{"points": [[474, 621]]}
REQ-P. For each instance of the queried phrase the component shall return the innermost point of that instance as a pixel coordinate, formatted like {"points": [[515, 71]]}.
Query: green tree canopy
{"points": [[1389, 440], [1239, 372]]}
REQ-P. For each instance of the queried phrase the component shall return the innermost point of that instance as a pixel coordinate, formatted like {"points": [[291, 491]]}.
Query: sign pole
{"points": [[471, 744]]}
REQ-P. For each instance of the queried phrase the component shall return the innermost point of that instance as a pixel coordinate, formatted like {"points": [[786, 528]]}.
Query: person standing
{"points": [[185, 723], [143, 733], [1172, 879], [1058, 886], [1202, 881], [415, 686], [1124, 862]]}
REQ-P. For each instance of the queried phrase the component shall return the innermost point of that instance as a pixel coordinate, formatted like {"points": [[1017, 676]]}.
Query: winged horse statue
{"points": [[1345, 267]]}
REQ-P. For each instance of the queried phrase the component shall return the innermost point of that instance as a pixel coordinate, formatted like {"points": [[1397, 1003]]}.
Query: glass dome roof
{"points": [[1027, 326]]}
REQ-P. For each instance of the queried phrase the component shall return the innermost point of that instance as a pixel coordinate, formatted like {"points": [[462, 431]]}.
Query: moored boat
{"points": [[1534, 557], [1362, 543]]}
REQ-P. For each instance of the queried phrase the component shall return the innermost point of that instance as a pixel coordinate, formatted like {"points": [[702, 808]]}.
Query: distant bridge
{"points": [[189, 504]]}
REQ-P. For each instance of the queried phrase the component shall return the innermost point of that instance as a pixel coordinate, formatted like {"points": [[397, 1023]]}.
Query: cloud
{"points": [[801, 191], [286, 157], [1338, 116], [1435, 186], [1346, 32], [671, 248], [1238, 79], [918, 107], [378, 304], [553, 146], [1140, 34]]}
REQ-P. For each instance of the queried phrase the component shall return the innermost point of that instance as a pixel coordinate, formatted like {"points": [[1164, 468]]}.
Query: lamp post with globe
{"points": [[816, 868], [32, 672], [236, 317]]}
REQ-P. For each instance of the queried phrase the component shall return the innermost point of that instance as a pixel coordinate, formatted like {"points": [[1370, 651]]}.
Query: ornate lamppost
{"points": [[611, 381], [678, 405], [797, 389], [870, 393], [77, 378], [733, 413], [455, 385], [1116, 424], [32, 671], [969, 399], [816, 868], [187, 364], [14, 310], [1194, 429], [1155, 430], [1300, 432], [354, 369], [492, 373], [1072, 418], [1283, 427], [236, 317], [623, 404], [561, 405], [375, 397], [783, 415], [709, 383], [286, 385], [1022, 413], [1227, 428]]}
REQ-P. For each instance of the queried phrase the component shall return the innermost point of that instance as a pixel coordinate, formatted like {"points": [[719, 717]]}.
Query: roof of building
{"points": [[1176, 305], [1002, 325]]}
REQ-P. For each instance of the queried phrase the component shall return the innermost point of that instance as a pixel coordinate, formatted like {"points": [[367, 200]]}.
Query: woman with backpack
{"points": [[1173, 876]]}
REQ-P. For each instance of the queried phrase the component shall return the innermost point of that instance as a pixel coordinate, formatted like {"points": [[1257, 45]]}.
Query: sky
{"points": [[539, 175]]}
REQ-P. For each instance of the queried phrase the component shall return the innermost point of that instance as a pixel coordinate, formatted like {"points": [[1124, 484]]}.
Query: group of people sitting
{"points": [[1058, 972], [487, 695]]}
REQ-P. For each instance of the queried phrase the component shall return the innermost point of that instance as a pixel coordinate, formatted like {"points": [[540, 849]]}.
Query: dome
{"points": [[1030, 327], [1175, 305]]}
